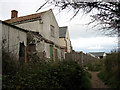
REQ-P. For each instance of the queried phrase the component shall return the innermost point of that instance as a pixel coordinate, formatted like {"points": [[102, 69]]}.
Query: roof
{"points": [[62, 31], [24, 18], [97, 54], [21, 29]]}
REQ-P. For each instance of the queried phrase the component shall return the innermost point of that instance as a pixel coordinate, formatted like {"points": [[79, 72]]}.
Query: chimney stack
{"points": [[14, 14]]}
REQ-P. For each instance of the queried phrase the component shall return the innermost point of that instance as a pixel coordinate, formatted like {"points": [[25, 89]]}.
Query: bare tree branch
{"points": [[108, 12], [42, 5]]}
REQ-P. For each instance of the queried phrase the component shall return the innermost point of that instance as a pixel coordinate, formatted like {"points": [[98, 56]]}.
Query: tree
{"points": [[108, 12]]}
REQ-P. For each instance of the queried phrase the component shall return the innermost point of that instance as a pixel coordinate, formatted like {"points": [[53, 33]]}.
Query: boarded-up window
{"points": [[52, 30], [32, 48]]}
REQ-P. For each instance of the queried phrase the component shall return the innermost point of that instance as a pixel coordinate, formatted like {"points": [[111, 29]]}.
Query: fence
{"points": [[81, 58]]}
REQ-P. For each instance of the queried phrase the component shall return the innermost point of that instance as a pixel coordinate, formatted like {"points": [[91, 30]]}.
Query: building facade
{"points": [[44, 24], [98, 55], [65, 39]]}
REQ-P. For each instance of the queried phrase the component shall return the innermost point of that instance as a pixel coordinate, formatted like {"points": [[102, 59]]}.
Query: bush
{"points": [[103, 77], [9, 65], [96, 65], [88, 75], [71, 75], [110, 74], [64, 74]]}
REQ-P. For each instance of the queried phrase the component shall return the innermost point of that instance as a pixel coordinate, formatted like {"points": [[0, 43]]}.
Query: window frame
{"points": [[52, 30]]}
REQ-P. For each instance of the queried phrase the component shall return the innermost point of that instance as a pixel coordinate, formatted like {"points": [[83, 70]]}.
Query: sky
{"points": [[83, 36]]}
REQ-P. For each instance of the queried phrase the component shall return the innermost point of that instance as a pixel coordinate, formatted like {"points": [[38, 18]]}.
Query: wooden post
{"points": [[25, 54]]}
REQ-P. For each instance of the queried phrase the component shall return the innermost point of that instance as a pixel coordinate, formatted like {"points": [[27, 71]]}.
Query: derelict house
{"points": [[42, 35]]}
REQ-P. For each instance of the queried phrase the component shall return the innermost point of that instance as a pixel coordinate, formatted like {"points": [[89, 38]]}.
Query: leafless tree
{"points": [[108, 12]]}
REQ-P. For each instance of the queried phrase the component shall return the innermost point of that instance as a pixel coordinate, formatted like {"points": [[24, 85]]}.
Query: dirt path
{"points": [[96, 82]]}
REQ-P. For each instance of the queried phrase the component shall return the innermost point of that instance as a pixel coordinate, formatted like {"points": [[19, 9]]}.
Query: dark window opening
{"points": [[32, 47], [22, 51], [101, 57]]}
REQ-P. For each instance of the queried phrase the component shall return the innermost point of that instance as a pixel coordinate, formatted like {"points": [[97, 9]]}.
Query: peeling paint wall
{"points": [[12, 37], [49, 19], [32, 26], [47, 50], [40, 46]]}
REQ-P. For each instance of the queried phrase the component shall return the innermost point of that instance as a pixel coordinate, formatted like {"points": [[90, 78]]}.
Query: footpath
{"points": [[96, 82]]}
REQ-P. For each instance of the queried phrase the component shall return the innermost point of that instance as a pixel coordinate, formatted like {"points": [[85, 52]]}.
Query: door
{"points": [[22, 52], [51, 53], [56, 54]]}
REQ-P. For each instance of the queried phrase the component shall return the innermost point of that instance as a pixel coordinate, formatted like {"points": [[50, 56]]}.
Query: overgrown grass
{"points": [[96, 65], [33, 75], [88, 75], [103, 77], [111, 72]]}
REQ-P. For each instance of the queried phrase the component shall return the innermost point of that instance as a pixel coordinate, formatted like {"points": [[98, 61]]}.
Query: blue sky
{"points": [[83, 37]]}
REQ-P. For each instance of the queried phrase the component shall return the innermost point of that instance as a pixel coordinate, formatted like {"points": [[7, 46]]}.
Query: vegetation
{"points": [[111, 72], [88, 75], [109, 69], [64, 74], [96, 65]]}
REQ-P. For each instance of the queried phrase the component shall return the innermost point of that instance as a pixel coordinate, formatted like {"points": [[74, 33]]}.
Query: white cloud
{"points": [[91, 44], [95, 47]]}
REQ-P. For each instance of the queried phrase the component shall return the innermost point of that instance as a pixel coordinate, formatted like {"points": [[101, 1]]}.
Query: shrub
{"points": [[88, 75], [71, 75], [95, 65], [110, 74], [103, 77], [9, 65], [64, 74]]}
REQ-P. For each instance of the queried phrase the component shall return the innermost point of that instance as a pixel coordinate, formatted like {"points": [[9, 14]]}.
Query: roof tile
{"points": [[24, 18]]}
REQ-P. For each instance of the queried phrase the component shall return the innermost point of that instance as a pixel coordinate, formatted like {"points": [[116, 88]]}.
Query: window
{"points": [[32, 48], [52, 30]]}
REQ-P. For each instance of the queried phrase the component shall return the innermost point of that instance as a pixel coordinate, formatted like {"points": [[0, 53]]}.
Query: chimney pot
{"points": [[14, 14]]}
